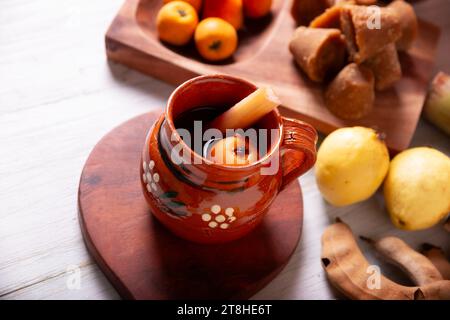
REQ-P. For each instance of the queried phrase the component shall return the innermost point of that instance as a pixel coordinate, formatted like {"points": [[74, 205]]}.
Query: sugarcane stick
{"points": [[247, 111]]}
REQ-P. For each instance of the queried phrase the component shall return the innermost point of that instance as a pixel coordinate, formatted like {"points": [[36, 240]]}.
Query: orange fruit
{"points": [[256, 8], [176, 22], [215, 39], [228, 10], [197, 4]]}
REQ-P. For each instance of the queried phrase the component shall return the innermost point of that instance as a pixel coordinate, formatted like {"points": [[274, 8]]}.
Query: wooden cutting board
{"points": [[263, 58], [143, 260]]}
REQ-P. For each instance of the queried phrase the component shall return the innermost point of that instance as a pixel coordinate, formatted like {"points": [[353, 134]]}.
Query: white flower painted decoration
{"points": [[150, 177], [218, 218]]}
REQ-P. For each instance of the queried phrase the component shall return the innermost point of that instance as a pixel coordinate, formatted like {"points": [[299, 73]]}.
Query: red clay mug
{"points": [[206, 202]]}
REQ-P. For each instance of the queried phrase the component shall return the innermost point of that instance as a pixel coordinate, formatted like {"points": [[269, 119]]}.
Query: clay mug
{"points": [[206, 202]]}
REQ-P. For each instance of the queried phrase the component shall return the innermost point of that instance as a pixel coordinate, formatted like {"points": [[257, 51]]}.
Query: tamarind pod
{"points": [[437, 257], [418, 267], [347, 267], [349, 271], [439, 290]]}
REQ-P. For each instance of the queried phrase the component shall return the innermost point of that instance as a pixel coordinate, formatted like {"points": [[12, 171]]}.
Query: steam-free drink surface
{"points": [[204, 114]]}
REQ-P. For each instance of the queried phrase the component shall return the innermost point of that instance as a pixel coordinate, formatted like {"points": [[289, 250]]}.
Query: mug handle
{"points": [[298, 149]]}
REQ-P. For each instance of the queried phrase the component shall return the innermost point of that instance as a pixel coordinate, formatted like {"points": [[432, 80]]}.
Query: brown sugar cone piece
{"points": [[351, 94], [318, 52], [363, 38], [329, 19], [304, 11], [437, 256], [385, 67], [408, 23]]}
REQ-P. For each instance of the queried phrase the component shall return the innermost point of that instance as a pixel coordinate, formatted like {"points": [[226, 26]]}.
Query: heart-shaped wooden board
{"points": [[143, 260]]}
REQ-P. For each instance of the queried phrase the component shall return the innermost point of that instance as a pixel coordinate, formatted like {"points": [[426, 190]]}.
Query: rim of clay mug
{"points": [[169, 119]]}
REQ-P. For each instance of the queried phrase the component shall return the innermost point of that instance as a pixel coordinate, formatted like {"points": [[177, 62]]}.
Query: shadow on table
{"points": [[140, 82]]}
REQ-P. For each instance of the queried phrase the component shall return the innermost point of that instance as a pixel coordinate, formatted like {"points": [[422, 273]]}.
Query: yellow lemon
{"points": [[351, 165], [417, 188]]}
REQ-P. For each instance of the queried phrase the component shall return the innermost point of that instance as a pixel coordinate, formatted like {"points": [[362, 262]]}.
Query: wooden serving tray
{"points": [[263, 58], [143, 260]]}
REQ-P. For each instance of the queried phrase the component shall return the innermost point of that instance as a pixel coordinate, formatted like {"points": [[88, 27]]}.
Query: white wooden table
{"points": [[59, 96]]}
